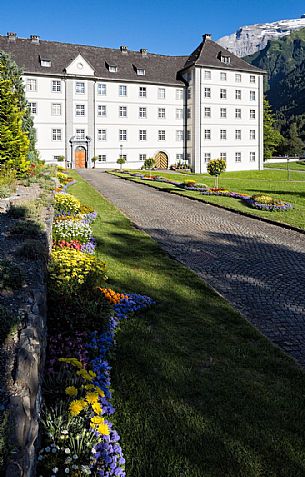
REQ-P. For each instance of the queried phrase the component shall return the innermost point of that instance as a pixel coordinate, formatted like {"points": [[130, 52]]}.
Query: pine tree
{"points": [[272, 137], [14, 73], [14, 141], [294, 144]]}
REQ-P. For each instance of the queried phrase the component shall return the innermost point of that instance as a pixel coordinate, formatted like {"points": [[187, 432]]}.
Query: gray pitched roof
{"points": [[208, 54], [158, 68]]}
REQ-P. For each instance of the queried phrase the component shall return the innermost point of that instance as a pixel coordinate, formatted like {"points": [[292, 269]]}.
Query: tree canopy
{"points": [[272, 137]]}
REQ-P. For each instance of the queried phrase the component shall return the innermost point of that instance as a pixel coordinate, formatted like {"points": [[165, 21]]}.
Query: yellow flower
{"points": [[96, 421], [91, 398], [103, 429], [73, 361], [100, 391], [97, 408], [71, 391], [77, 406], [87, 376]]}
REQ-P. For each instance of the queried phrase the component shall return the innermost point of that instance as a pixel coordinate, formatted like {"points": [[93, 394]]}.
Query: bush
{"points": [[216, 166], [67, 203], [72, 272], [72, 230], [149, 163], [7, 182]]}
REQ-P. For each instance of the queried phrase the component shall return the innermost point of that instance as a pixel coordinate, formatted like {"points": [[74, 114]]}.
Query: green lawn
{"points": [[271, 182], [297, 166], [198, 392]]}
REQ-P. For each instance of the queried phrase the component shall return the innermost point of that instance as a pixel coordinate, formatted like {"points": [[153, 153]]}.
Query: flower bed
{"points": [[257, 201], [78, 435]]}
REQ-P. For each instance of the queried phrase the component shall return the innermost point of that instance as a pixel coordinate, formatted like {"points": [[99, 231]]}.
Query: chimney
{"points": [[124, 49], [143, 52], [11, 36], [35, 39], [207, 36]]}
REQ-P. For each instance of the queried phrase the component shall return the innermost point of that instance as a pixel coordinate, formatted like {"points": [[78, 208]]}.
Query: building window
{"points": [[123, 111], [223, 155], [223, 134], [252, 79], [252, 95], [161, 113], [79, 110], [207, 157], [140, 72], [252, 157], [142, 113], [237, 113], [207, 112], [113, 68], [223, 76], [31, 84], [179, 135], [238, 134], [55, 158], [188, 135], [225, 59], [238, 94], [45, 63], [101, 110], [123, 135], [189, 93], [101, 135], [80, 134], [56, 135], [142, 135], [252, 134], [252, 114], [122, 90], [237, 78], [80, 87], [207, 134], [237, 156], [142, 157], [161, 93], [179, 113], [223, 94], [207, 92], [56, 86], [207, 75], [188, 113], [55, 109], [223, 112], [161, 135], [179, 93], [33, 108], [142, 92], [101, 89], [102, 157], [179, 157]]}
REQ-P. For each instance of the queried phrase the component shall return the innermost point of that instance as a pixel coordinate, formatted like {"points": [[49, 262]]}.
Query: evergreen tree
{"points": [[272, 137], [14, 73], [14, 141], [294, 144]]}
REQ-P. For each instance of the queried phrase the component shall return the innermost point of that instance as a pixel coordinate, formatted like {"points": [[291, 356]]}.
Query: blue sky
{"points": [[171, 27]]}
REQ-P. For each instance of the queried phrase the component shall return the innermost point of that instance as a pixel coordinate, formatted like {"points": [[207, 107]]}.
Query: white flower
{"points": [[67, 470], [48, 449], [64, 431], [54, 450], [93, 450], [67, 450], [55, 470], [75, 456]]}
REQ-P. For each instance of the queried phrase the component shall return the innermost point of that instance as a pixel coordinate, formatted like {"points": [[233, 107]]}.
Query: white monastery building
{"points": [[97, 102]]}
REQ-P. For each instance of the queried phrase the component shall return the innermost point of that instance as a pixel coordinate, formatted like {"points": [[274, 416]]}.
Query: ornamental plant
{"points": [[215, 167], [69, 230], [72, 272], [63, 178], [67, 203]]}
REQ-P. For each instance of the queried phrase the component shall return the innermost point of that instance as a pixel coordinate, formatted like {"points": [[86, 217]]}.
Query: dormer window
{"points": [[140, 72], [46, 63], [224, 59], [112, 68]]}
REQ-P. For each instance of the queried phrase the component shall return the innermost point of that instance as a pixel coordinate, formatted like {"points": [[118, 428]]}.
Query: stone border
{"points": [[239, 212], [25, 401]]}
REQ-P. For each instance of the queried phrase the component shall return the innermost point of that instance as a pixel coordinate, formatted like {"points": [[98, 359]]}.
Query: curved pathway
{"points": [[258, 267]]}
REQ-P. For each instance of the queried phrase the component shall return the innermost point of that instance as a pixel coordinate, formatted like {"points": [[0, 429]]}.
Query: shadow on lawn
{"points": [[205, 394]]}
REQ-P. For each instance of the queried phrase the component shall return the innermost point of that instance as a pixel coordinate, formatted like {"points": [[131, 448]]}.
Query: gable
{"points": [[80, 67]]}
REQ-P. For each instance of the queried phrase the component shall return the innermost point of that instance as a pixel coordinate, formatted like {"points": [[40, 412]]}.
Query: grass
{"points": [[296, 166], [271, 182], [198, 391]]}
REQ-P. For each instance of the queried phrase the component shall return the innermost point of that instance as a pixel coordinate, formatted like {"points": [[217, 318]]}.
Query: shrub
{"points": [[215, 167], [72, 271], [7, 182], [63, 178], [72, 230], [149, 163], [67, 203]]}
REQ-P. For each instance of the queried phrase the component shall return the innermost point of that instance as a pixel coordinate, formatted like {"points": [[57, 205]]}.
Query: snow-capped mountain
{"points": [[249, 39]]}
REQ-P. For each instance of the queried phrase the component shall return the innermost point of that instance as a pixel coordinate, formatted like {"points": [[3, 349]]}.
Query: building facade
{"points": [[94, 105]]}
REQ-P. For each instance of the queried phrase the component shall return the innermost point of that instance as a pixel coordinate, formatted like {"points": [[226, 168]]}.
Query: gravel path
{"points": [[258, 267]]}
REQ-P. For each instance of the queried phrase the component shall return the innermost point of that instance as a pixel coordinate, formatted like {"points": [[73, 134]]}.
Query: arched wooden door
{"points": [[80, 158], [161, 160]]}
